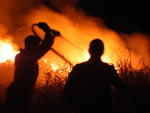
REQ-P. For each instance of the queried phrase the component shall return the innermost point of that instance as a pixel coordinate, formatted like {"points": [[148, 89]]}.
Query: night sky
{"points": [[126, 17]]}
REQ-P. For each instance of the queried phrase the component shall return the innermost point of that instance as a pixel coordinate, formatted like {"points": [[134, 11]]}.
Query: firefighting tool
{"points": [[41, 25]]}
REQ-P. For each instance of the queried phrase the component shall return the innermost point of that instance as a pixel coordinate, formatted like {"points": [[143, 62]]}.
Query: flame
{"points": [[87, 55], [117, 68], [7, 51], [54, 66], [45, 60], [104, 58]]}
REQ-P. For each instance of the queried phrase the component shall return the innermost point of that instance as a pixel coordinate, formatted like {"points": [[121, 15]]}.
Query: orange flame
{"points": [[7, 51], [104, 58], [54, 67]]}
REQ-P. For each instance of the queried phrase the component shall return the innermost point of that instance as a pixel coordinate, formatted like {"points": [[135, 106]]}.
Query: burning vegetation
{"points": [[50, 84], [7, 52], [80, 29]]}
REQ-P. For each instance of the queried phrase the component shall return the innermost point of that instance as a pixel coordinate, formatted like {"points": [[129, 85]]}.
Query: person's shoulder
{"points": [[20, 54], [80, 65], [110, 66]]}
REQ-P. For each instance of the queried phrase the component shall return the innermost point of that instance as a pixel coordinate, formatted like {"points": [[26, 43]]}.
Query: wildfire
{"points": [[7, 51], [104, 58], [52, 65], [86, 56]]}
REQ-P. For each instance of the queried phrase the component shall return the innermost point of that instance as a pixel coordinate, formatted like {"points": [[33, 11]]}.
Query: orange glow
{"points": [[74, 26], [104, 58], [87, 55], [117, 68], [54, 67], [7, 51], [45, 61]]}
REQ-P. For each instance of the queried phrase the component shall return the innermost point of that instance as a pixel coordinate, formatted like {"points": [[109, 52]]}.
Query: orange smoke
{"points": [[75, 26]]}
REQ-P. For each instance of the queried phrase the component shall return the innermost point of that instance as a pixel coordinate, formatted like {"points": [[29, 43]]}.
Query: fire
{"points": [[45, 61], [54, 67], [86, 56], [104, 58], [7, 51]]}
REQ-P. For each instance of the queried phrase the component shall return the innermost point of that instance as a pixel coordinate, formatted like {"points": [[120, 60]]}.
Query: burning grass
{"points": [[47, 95], [137, 83]]}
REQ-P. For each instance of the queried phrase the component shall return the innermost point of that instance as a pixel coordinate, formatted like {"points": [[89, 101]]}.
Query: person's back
{"points": [[26, 72], [18, 94], [26, 67], [88, 87]]}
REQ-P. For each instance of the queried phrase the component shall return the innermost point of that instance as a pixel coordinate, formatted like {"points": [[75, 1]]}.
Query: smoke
{"points": [[17, 17], [138, 44], [62, 5]]}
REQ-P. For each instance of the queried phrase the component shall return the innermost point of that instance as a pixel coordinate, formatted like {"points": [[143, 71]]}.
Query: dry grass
{"points": [[47, 96], [137, 81]]}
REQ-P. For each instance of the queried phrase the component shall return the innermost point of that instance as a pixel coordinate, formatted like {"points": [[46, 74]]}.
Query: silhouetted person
{"points": [[18, 94], [88, 87]]}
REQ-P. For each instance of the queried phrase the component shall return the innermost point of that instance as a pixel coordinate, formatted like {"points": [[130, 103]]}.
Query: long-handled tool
{"points": [[57, 34]]}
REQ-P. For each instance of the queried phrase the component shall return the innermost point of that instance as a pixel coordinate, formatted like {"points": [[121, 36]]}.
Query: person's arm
{"points": [[117, 82], [45, 45], [68, 92], [49, 36]]}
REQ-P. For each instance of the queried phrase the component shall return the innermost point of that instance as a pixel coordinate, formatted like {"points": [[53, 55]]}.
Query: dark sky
{"points": [[126, 16]]}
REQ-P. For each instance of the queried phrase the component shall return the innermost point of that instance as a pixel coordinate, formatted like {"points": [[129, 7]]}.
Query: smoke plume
{"points": [[17, 17]]}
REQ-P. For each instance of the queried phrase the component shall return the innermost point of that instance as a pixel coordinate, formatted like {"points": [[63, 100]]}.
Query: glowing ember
{"points": [[117, 68], [45, 61], [54, 67], [6, 51]]}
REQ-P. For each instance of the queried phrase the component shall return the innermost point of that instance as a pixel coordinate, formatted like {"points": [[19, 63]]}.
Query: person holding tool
{"points": [[18, 94]]}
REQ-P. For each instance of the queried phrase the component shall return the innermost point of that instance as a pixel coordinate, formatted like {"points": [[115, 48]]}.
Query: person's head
{"points": [[96, 48], [31, 42]]}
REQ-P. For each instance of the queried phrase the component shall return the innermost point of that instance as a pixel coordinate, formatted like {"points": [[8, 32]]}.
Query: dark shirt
{"points": [[88, 87], [26, 71]]}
